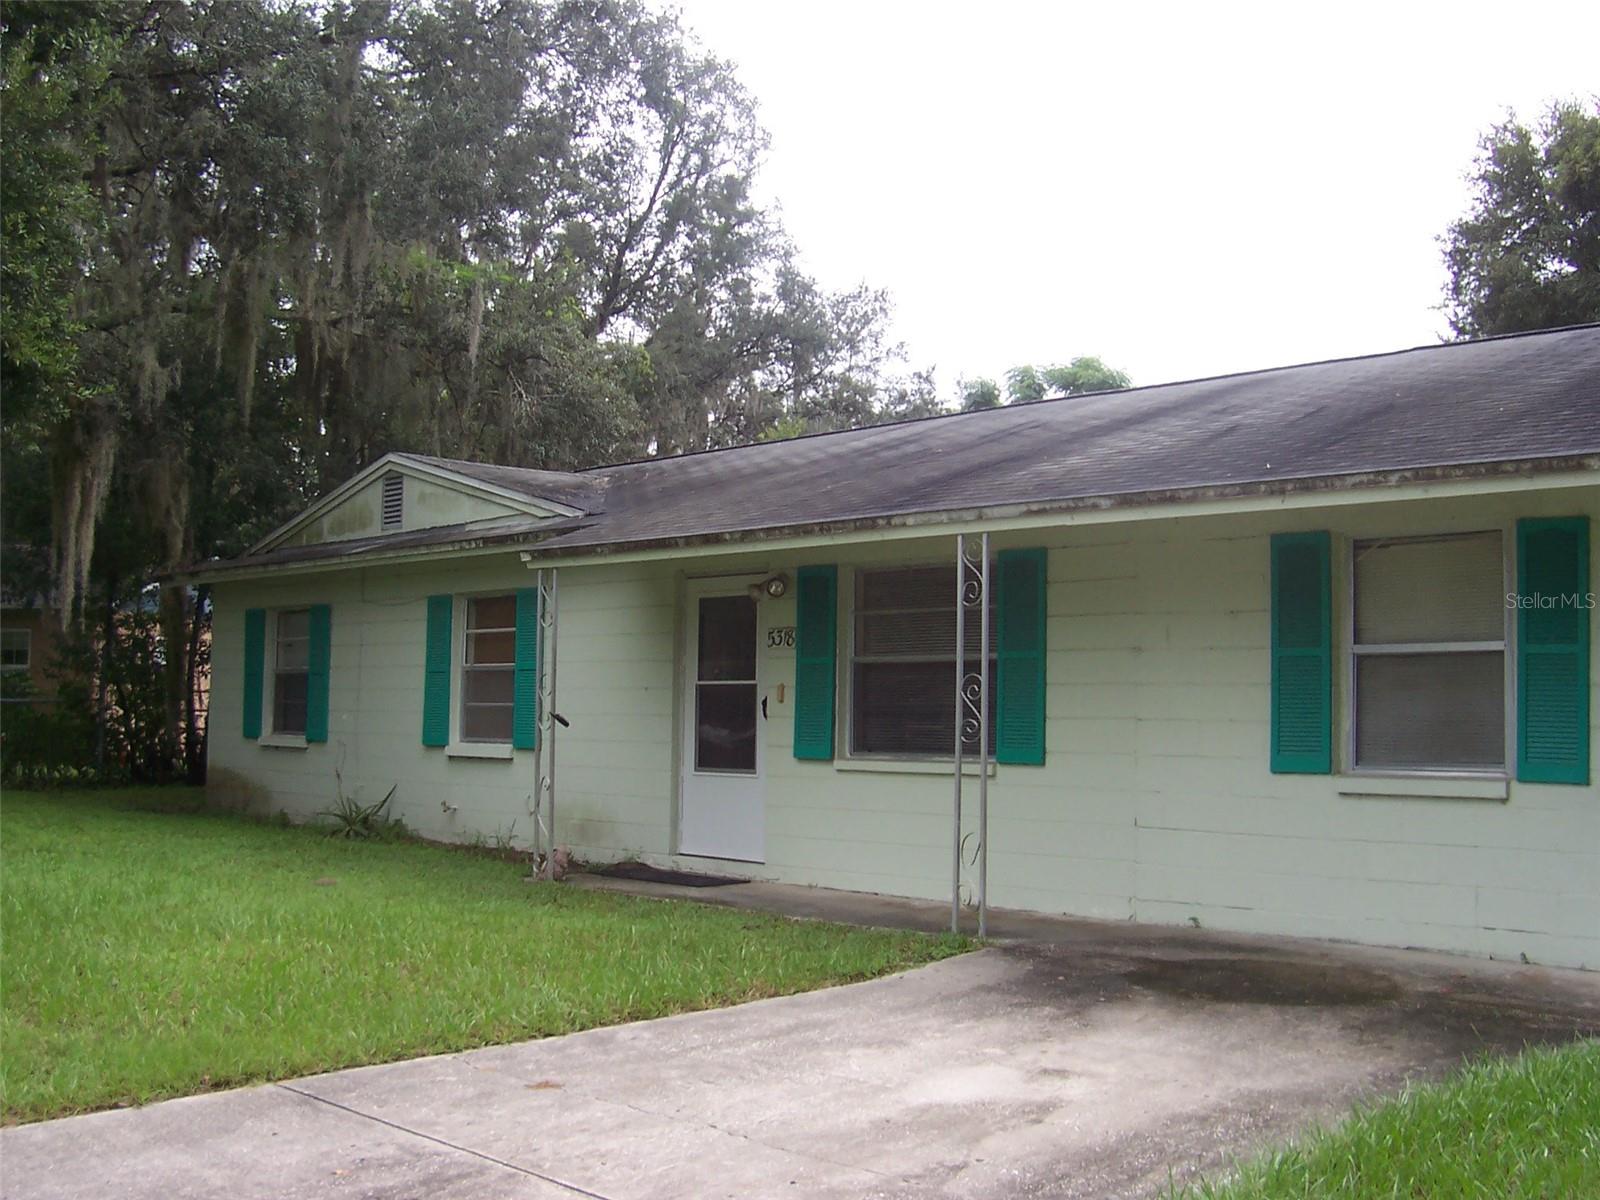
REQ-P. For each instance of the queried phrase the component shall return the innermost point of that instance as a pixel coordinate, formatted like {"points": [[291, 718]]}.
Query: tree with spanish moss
{"points": [[250, 246]]}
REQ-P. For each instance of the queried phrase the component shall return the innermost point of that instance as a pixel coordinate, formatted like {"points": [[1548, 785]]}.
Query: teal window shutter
{"points": [[436, 673], [815, 671], [319, 652], [255, 653], [1302, 653], [1553, 650], [525, 683], [1020, 653]]}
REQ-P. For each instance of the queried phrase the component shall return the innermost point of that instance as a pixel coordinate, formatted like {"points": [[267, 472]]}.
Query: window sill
{"points": [[282, 741], [908, 766], [491, 750], [1426, 787]]}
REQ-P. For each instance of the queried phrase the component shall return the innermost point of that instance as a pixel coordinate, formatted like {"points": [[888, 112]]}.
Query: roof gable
{"points": [[433, 494]]}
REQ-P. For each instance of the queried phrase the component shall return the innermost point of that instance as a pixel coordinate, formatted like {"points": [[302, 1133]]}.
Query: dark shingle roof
{"points": [[1500, 400], [574, 489]]}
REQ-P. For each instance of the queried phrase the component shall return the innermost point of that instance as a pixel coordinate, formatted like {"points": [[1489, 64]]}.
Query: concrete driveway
{"points": [[1088, 1066]]}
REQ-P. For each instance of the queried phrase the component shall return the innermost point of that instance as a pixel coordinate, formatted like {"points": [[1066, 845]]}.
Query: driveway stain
{"points": [[1264, 981]]}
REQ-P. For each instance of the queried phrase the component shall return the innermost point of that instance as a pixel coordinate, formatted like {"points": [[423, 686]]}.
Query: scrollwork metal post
{"points": [[981, 679], [960, 722], [972, 716]]}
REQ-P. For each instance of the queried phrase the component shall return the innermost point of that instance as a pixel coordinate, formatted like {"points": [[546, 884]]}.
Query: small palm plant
{"points": [[353, 819]]}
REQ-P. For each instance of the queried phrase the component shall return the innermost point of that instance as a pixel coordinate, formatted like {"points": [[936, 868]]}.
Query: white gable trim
{"points": [[406, 465]]}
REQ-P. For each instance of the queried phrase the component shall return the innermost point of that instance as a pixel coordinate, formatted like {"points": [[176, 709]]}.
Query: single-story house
{"points": [[1304, 651]]}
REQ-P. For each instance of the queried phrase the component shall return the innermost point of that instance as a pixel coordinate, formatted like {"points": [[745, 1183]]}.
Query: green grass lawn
{"points": [[152, 949], [1500, 1130]]}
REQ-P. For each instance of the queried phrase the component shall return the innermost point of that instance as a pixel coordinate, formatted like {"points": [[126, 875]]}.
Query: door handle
{"points": [[763, 708]]}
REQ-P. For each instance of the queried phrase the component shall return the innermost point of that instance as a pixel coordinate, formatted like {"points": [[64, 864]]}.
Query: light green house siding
{"points": [[1155, 802]]}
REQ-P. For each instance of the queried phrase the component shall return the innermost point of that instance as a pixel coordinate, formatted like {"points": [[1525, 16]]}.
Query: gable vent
{"points": [[393, 500]]}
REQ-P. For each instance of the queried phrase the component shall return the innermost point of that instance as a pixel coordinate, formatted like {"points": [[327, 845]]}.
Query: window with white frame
{"points": [[902, 662], [488, 666], [16, 649], [291, 666], [1428, 653]]}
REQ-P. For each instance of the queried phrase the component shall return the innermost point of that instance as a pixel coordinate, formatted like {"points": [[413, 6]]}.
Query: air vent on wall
{"points": [[393, 500]]}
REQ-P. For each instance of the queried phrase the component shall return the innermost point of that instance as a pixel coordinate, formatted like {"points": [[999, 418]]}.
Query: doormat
{"points": [[645, 873]]}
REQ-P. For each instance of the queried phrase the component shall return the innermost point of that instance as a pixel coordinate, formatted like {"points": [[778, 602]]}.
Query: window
{"points": [[291, 667], [16, 649], [1428, 653], [394, 498], [902, 668], [488, 669], [725, 685]]}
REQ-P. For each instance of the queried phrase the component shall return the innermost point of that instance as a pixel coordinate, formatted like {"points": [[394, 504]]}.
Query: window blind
{"points": [[1424, 710], [902, 673], [1446, 589]]}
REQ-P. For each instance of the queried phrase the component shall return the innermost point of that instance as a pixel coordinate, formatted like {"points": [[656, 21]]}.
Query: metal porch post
{"points": [[544, 803], [960, 728], [972, 719]]}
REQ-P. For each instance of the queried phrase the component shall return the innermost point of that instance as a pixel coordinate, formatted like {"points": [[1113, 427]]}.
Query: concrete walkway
{"points": [[1089, 1061]]}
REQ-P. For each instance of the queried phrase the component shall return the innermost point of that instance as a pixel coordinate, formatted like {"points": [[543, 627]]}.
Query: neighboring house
{"points": [[1304, 651], [29, 637]]}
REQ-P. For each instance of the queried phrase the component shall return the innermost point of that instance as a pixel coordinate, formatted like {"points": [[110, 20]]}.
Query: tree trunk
{"points": [[167, 486], [80, 470], [108, 632], [194, 739], [174, 617]]}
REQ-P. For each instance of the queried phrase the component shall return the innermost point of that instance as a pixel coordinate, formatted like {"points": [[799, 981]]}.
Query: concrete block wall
{"points": [[1155, 803], [616, 673]]}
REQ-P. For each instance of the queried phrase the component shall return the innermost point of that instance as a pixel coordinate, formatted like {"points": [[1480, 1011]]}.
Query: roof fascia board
{"points": [[407, 465], [465, 547], [995, 520]]}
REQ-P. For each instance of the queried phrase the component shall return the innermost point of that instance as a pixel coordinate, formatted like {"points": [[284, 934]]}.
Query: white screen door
{"points": [[722, 814]]}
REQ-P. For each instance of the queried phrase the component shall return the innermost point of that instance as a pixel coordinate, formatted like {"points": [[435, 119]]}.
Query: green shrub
{"points": [[66, 741], [48, 742]]}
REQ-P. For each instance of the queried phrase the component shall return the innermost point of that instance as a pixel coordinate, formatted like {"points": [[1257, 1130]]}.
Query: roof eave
{"points": [[1264, 491]]}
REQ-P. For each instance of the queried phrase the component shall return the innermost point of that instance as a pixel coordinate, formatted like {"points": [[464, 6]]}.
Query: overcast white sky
{"points": [[1183, 190]]}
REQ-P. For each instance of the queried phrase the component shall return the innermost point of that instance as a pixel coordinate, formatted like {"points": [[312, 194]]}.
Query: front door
{"points": [[722, 812]]}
